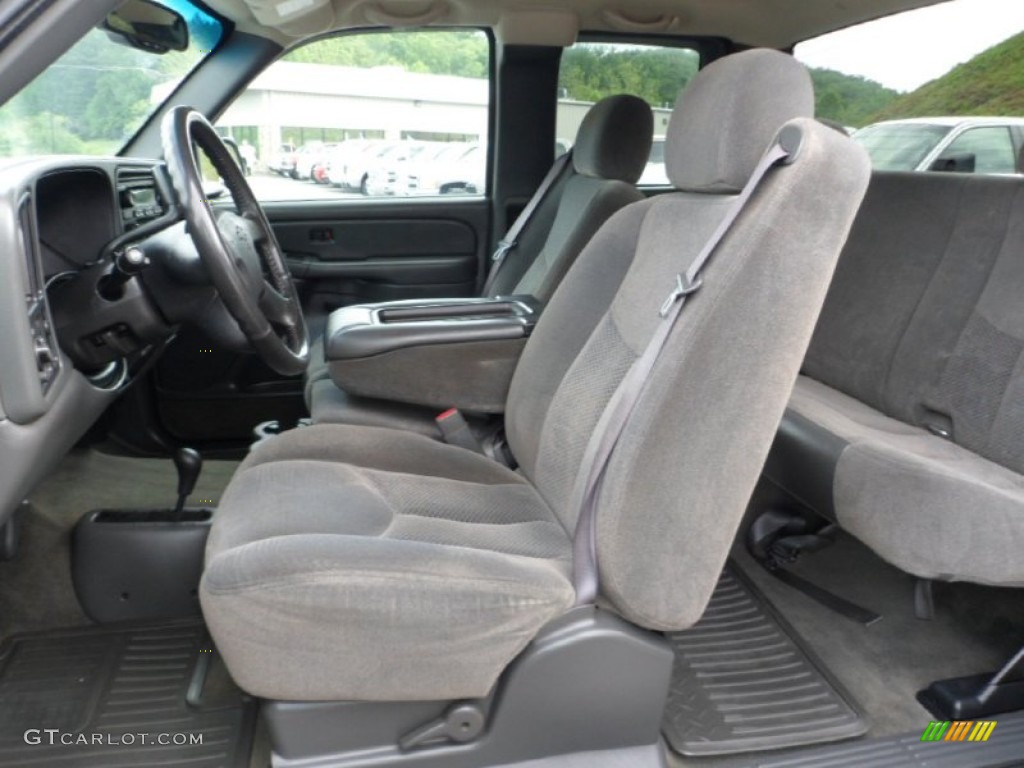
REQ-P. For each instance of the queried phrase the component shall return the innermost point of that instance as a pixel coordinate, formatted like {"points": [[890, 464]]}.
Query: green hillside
{"points": [[992, 83], [849, 99]]}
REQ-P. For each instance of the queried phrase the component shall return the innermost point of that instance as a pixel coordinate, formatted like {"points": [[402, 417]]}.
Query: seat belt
{"points": [[511, 239], [616, 414]]}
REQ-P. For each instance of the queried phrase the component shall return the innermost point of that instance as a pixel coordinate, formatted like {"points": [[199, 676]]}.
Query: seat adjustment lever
{"points": [[462, 723]]}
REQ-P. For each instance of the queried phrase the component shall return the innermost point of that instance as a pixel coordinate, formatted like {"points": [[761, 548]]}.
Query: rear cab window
{"points": [[593, 70], [953, 105], [368, 115]]}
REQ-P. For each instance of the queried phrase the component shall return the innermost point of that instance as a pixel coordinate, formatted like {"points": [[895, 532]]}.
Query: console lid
{"points": [[438, 352]]}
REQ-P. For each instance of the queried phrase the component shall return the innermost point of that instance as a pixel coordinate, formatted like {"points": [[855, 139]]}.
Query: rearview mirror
{"points": [[146, 25], [962, 162]]}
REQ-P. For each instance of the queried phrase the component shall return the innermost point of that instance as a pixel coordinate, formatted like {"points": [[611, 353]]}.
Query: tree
{"points": [[849, 99], [120, 99], [38, 133]]}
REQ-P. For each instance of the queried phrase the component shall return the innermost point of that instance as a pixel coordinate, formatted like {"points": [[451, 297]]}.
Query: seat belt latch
{"points": [[684, 287], [455, 430], [504, 246]]}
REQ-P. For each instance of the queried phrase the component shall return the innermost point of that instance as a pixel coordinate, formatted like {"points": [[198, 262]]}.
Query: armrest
{"points": [[441, 353], [372, 329]]}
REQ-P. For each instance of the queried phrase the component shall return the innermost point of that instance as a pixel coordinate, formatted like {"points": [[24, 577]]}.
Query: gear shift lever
{"points": [[189, 464]]}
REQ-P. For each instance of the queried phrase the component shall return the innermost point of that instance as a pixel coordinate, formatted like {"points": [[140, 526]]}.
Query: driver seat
{"points": [[363, 564]]}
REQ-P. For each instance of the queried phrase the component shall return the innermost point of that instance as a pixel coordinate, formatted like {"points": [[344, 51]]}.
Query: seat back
{"points": [[611, 151], [923, 321], [685, 466]]}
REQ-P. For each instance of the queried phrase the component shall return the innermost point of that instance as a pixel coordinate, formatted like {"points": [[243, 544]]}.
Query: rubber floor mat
{"points": [[743, 681], [122, 695]]}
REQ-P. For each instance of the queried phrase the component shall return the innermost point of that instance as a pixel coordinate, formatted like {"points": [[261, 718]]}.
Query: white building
{"points": [[298, 103]]}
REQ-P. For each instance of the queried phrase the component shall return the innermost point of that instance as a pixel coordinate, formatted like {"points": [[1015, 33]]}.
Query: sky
{"points": [[908, 50]]}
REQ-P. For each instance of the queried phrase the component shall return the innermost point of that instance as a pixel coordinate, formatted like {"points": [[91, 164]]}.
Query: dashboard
{"points": [[77, 327]]}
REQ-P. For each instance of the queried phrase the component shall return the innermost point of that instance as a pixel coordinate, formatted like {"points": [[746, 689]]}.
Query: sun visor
{"points": [[405, 14], [538, 26], [294, 17]]}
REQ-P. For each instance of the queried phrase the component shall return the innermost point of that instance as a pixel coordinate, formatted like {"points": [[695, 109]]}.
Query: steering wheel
{"points": [[238, 247]]}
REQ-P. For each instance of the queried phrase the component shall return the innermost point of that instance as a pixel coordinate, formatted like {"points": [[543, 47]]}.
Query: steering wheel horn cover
{"points": [[237, 247]]}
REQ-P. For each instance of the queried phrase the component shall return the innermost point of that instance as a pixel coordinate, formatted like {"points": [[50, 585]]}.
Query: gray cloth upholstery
{"points": [[612, 146], [669, 511], [923, 328], [923, 321], [585, 205], [705, 151], [331, 549], [924, 504], [614, 139], [371, 564]]}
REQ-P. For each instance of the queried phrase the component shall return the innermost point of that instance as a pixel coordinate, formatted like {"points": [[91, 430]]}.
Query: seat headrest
{"points": [[614, 139], [728, 114]]}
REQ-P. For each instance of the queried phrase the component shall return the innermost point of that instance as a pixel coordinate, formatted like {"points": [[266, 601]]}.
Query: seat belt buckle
{"points": [[683, 287], [455, 430]]}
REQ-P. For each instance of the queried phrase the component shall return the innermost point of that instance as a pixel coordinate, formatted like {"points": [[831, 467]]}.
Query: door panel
{"points": [[359, 252]]}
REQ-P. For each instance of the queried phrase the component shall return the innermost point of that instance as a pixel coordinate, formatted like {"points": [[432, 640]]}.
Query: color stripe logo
{"points": [[958, 730]]}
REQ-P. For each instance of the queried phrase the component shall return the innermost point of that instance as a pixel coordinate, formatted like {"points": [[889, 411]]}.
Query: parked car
{"points": [[333, 161], [965, 145], [308, 157], [384, 174], [338, 160], [425, 174], [654, 174], [467, 175], [319, 172], [283, 160], [354, 171]]}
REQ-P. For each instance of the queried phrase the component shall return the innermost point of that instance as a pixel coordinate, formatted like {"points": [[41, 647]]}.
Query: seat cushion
{"points": [[358, 563], [921, 502]]}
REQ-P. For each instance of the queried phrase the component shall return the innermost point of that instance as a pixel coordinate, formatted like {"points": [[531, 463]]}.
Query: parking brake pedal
{"points": [[462, 723], [776, 539]]}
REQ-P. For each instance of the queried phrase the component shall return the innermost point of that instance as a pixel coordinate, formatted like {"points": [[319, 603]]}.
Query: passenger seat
{"points": [[611, 151], [907, 423]]}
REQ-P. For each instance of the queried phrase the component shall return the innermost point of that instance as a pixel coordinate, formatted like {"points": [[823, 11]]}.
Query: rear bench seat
{"points": [[907, 423]]}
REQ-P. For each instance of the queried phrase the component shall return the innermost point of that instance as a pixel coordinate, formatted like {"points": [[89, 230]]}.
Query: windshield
{"points": [[98, 94], [899, 147]]}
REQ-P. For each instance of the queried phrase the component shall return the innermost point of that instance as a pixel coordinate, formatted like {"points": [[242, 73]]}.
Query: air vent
{"points": [[30, 247], [41, 338]]}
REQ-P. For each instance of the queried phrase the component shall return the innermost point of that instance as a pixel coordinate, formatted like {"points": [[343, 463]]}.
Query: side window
{"points": [[591, 71], [991, 147], [378, 114], [903, 85]]}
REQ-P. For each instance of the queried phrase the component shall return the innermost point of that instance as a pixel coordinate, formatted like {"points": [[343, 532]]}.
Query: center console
{"points": [[442, 353], [136, 564]]}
